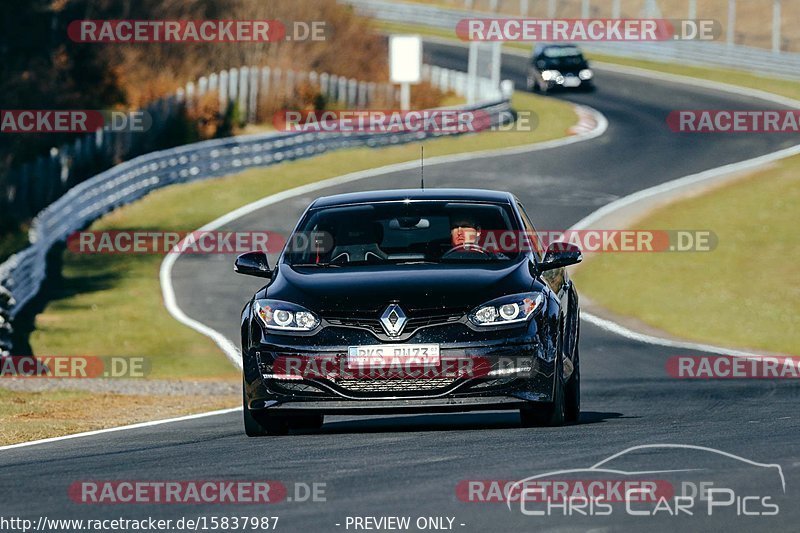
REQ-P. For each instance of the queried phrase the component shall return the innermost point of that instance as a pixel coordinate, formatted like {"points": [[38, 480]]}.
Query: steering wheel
{"points": [[465, 249]]}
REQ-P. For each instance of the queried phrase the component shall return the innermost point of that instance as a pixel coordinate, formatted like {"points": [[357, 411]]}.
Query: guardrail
{"points": [[32, 186], [783, 65], [22, 274]]}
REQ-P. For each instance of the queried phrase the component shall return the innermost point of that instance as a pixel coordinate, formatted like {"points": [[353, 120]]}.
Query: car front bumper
{"points": [[506, 374]]}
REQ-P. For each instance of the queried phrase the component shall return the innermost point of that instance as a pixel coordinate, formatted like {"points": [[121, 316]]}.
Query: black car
{"points": [[557, 66], [404, 301]]}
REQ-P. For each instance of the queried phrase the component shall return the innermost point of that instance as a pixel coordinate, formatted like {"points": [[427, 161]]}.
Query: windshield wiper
{"points": [[315, 265]]}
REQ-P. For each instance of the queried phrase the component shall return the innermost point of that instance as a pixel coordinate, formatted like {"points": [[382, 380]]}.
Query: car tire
{"points": [[548, 414], [572, 392], [261, 426]]}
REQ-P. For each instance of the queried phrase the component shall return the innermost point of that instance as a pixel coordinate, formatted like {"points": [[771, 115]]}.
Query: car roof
{"points": [[397, 195]]}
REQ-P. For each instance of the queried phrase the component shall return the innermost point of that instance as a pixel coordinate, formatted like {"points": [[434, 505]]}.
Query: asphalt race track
{"points": [[411, 465]]}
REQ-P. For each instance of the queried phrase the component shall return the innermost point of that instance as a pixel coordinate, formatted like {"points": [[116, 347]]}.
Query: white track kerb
{"points": [[232, 352]]}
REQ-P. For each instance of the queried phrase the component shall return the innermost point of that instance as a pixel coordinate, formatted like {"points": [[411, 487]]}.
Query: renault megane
{"points": [[405, 301]]}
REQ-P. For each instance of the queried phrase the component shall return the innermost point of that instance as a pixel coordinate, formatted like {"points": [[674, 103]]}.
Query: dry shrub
{"points": [[150, 70], [424, 96], [205, 113]]}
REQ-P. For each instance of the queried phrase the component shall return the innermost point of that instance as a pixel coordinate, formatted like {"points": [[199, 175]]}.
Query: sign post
{"points": [[405, 64]]}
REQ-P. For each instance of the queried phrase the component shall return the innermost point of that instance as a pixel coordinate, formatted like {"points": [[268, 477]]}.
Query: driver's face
{"points": [[461, 235]]}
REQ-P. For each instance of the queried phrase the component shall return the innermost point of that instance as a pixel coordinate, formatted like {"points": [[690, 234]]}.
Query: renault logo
{"points": [[393, 320]]}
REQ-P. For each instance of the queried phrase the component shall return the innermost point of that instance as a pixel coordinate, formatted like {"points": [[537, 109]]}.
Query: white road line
{"points": [[120, 428]]}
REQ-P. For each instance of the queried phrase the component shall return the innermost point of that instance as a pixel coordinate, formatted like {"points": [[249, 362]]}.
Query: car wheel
{"points": [[572, 392], [547, 414], [306, 422], [531, 85], [259, 425], [543, 89]]}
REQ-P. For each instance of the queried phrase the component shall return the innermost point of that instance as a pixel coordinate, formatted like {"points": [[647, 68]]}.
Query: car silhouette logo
{"points": [[393, 320]]}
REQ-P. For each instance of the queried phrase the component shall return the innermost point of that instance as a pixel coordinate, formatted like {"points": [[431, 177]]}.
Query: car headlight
{"points": [[548, 75], [507, 310], [586, 74], [284, 316]]}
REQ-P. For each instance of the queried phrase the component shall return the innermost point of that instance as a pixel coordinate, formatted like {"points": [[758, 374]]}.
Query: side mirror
{"points": [[559, 255], [253, 264]]}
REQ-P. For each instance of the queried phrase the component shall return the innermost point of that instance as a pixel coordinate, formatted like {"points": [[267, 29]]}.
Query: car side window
{"points": [[534, 237]]}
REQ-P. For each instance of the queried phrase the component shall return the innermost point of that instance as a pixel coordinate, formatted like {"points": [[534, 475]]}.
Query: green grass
{"points": [[745, 293], [111, 304], [786, 88]]}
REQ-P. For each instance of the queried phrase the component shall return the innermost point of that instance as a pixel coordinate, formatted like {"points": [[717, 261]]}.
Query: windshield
{"points": [[564, 55], [403, 232]]}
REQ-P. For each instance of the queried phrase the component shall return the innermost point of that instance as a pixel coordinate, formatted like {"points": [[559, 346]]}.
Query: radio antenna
{"points": [[422, 167]]}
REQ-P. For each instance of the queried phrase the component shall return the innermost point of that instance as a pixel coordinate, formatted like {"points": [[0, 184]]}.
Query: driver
{"points": [[464, 234]]}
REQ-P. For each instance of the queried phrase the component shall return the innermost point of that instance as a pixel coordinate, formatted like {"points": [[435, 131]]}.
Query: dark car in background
{"points": [[559, 66], [406, 301]]}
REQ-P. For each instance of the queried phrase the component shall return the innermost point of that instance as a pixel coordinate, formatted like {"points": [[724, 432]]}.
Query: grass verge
{"points": [[111, 304], [40, 415], [745, 293]]}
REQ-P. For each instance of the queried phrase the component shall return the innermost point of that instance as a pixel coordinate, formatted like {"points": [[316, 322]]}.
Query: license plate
{"points": [[571, 82], [388, 354]]}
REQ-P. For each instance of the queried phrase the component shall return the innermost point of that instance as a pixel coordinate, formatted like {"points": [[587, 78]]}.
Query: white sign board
{"points": [[405, 58]]}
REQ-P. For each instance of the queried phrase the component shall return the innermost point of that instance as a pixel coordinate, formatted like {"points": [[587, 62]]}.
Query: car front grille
{"points": [[393, 385], [417, 318], [299, 387]]}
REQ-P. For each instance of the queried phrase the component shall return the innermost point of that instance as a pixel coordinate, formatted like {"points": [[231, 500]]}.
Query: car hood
{"points": [[412, 286]]}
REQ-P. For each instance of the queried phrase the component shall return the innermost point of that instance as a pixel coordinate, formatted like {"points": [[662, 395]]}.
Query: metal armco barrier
{"points": [[22, 274], [31, 186]]}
